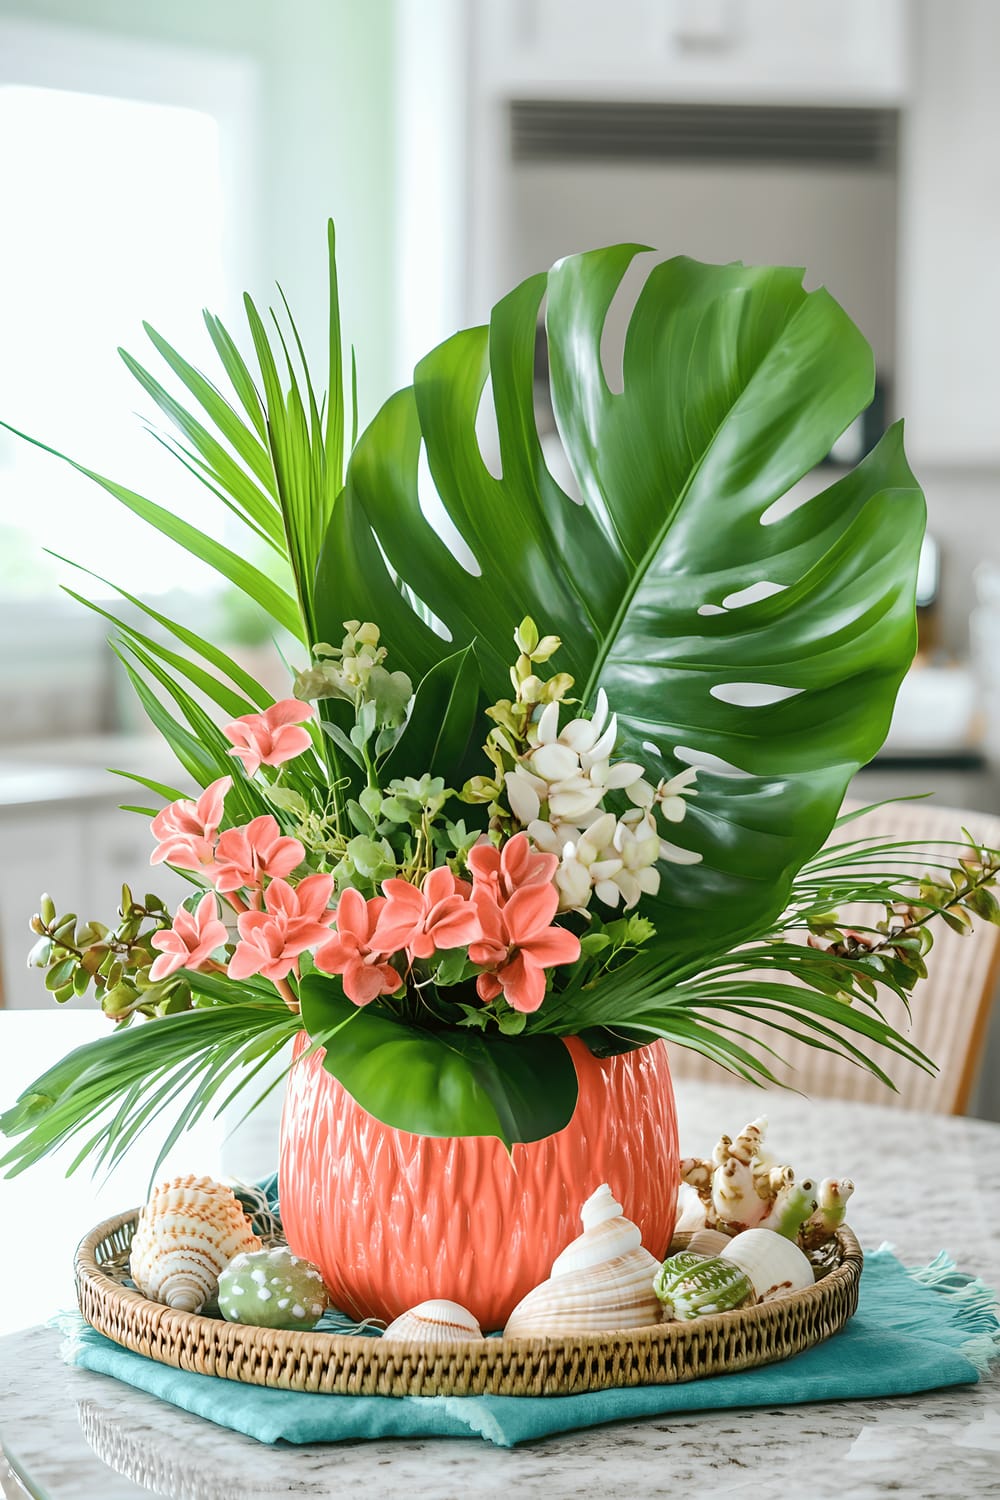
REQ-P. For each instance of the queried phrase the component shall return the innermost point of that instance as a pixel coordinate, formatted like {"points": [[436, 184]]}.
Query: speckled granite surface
{"points": [[925, 1184]]}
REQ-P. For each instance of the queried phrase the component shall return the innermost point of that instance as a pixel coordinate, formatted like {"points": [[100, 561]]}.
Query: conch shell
{"points": [[187, 1234], [434, 1322], [600, 1283]]}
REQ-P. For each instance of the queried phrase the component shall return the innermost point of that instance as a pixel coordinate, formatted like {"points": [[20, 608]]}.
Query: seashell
{"points": [[434, 1322], [691, 1211], [832, 1196], [606, 1235], [693, 1286], [600, 1283], [187, 1234], [775, 1265], [792, 1205], [707, 1242], [272, 1289]]}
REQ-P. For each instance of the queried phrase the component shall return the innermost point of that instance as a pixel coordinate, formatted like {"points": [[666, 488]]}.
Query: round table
{"points": [[925, 1183]]}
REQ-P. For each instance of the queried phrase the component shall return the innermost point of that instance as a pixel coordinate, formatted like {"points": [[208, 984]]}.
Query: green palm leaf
{"points": [[736, 383]]}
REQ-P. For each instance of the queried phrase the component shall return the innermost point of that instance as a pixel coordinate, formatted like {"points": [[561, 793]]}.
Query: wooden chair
{"points": [[950, 1009]]}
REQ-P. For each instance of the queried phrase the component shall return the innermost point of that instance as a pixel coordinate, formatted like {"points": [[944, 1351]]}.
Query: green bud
{"points": [[547, 646], [526, 636], [47, 908]]}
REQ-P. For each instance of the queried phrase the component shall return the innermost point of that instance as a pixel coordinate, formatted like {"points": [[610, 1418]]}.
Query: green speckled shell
{"points": [[692, 1286], [272, 1289]]}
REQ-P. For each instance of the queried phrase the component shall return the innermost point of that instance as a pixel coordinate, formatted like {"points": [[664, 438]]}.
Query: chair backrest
{"points": [[950, 1008]]}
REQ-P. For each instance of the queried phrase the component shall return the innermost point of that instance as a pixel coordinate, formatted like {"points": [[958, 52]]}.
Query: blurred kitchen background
{"points": [[163, 158]]}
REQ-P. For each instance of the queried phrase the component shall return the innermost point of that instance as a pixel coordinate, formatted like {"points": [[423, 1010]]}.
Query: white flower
{"points": [[569, 769], [525, 793], [667, 795], [637, 844]]}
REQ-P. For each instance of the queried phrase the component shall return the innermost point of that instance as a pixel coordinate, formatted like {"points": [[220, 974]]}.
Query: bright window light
{"points": [[113, 214]]}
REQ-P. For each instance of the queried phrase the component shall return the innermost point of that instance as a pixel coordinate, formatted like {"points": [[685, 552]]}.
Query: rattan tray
{"points": [[356, 1366]]}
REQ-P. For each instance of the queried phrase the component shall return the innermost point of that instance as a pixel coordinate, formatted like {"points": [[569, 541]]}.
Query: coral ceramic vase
{"points": [[392, 1219]]}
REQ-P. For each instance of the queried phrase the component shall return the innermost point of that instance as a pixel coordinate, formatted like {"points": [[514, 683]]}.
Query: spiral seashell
{"points": [[434, 1322], [775, 1265], [601, 1283], [187, 1234], [606, 1234]]}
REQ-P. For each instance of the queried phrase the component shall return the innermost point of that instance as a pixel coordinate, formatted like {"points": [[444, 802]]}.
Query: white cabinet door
{"points": [[949, 238], [82, 854], [40, 850], [812, 51], [118, 847]]}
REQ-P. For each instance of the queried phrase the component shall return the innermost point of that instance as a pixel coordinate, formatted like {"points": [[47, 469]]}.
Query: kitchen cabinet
{"points": [[62, 831], [768, 51], [949, 237], [81, 853]]}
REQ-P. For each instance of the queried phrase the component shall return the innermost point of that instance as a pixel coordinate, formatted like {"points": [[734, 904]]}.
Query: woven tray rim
{"points": [[665, 1353]]}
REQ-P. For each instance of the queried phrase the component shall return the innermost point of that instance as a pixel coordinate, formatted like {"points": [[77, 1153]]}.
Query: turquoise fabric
{"points": [[914, 1331]]}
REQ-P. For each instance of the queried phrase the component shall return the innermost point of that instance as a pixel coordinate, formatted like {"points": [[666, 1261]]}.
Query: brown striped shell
{"points": [[187, 1234]]}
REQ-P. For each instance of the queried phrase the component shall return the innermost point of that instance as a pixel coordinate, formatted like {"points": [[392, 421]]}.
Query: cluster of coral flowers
{"points": [[496, 900], [503, 916]]}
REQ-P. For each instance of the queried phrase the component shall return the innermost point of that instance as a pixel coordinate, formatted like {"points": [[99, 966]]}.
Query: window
{"points": [[115, 211]]}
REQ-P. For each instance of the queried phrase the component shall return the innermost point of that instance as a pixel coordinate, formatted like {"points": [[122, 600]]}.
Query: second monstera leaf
{"points": [[736, 383]]}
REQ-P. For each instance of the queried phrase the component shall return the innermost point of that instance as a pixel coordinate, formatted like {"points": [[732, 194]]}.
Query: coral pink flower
{"points": [[350, 951], [244, 855], [518, 944], [294, 918], [191, 940], [186, 830], [501, 872], [272, 737], [437, 915]]}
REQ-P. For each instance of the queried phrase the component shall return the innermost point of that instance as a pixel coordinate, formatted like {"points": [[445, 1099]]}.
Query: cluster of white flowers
{"points": [[557, 792]]}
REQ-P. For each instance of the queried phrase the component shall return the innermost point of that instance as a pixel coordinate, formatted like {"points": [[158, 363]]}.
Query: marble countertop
{"points": [[926, 1183]]}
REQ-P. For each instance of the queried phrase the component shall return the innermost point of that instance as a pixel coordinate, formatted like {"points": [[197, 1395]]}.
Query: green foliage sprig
{"points": [[115, 961]]}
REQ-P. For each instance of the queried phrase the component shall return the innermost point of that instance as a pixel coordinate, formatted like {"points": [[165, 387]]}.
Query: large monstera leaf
{"points": [[736, 384]]}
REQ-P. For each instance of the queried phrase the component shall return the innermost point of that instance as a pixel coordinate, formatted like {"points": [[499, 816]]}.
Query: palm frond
{"points": [[118, 1085]]}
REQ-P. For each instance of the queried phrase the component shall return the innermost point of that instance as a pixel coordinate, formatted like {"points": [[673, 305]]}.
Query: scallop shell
{"points": [[434, 1322], [600, 1283], [775, 1265], [187, 1234]]}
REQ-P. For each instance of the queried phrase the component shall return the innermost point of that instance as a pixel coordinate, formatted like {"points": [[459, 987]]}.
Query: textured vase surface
{"points": [[392, 1219]]}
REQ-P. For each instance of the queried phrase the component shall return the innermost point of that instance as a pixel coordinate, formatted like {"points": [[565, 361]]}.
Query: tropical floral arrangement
{"points": [[555, 766]]}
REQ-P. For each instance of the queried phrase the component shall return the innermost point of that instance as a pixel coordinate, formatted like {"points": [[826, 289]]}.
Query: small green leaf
{"points": [[60, 974]]}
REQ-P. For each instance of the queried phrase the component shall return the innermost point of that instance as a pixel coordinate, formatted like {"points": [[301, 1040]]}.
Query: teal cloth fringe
{"points": [[916, 1329]]}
